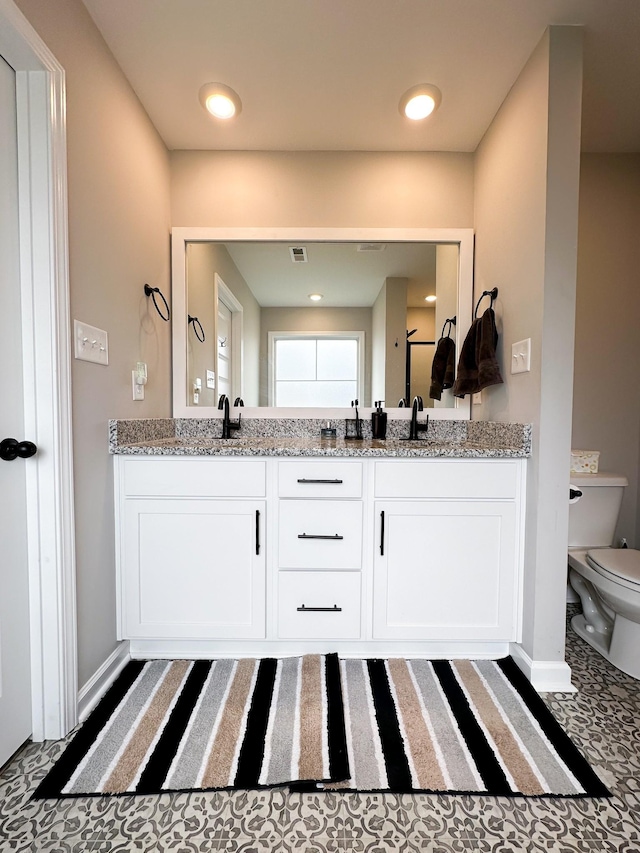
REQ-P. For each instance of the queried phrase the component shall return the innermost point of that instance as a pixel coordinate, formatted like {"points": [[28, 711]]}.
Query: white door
{"points": [[225, 350], [15, 690]]}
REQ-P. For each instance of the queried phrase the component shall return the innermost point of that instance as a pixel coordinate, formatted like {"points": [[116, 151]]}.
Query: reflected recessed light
{"points": [[430, 299], [220, 100], [420, 101], [315, 297]]}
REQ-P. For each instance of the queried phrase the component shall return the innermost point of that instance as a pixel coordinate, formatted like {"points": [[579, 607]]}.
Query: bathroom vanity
{"points": [[283, 545]]}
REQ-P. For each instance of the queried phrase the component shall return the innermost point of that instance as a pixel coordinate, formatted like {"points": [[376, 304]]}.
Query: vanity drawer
{"points": [[320, 479], [320, 535], [335, 594], [438, 478], [195, 477]]}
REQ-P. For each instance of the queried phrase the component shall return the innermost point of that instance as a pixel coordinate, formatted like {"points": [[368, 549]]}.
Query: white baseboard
{"points": [[547, 676], [206, 649], [91, 692]]}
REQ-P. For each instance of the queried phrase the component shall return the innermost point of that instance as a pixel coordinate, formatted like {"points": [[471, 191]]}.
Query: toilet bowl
{"points": [[606, 579]]}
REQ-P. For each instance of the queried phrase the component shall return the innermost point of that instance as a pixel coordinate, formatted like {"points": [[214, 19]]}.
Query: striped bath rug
{"points": [[456, 727], [208, 725], [316, 722]]}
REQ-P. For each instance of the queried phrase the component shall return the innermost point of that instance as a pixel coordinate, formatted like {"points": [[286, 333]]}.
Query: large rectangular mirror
{"points": [[246, 323]]}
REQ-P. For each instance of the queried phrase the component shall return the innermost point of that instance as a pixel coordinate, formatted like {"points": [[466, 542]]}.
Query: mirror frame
{"points": [[180, 236]]}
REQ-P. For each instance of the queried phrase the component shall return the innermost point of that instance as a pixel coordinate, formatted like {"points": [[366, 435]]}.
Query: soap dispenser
{"points": [[379, 421]]}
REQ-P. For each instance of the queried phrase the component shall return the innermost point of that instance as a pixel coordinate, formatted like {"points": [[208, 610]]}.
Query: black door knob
{"points": [[10, 449]]}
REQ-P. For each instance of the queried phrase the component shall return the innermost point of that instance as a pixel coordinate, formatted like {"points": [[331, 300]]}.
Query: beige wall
{"points": [[606, 393], [201, 303], [119, 229], [203, 261], [314, 320], [526, 214], [395, 361], [321, 189]]}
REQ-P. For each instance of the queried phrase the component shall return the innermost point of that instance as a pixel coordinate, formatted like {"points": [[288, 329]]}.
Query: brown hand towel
{"points": [[478, 366], [467, 378], [486, 343], [443, 367]]}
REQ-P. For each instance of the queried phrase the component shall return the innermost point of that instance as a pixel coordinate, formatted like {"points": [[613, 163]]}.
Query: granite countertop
{"points": [[447, 439]]}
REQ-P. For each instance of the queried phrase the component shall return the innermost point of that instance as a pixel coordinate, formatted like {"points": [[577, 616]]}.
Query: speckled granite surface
{"points": [[301, 437]]}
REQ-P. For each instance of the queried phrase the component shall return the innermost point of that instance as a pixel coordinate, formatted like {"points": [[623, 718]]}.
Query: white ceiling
{"points": [[343, 275], [328, 74]]}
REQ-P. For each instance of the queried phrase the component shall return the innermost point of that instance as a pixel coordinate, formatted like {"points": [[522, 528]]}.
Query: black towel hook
{"points": [[196, 325], [451, 322], [151, 291], [492, 293]]}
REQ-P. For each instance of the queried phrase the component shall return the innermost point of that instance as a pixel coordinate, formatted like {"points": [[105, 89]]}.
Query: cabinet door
{"points": [[448, 570], [193, 569]]}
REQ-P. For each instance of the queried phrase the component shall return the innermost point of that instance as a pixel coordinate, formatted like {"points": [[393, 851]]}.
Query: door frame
{"points": [[223, 294], [44, 283]]}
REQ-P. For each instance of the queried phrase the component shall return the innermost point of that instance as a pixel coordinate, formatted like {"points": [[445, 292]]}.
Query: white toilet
{"points": [[606, 579]]}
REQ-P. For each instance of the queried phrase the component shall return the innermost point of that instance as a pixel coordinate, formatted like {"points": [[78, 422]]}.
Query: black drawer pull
{"points": [[334, 609], [317, 536], [303, 480]]}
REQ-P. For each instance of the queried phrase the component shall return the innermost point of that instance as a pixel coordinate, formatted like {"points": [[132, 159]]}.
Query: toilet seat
{"points": [[620, 565]]}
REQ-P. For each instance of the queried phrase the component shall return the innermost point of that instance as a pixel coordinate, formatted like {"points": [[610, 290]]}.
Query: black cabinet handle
{"points": [[303, 480], [10, 449], [334, 609], [382, 533], [318, 536], [257, 531]]}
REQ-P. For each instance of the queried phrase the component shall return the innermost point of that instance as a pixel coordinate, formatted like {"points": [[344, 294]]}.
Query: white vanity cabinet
{"points": [[448, 552], [191, 548], [232, 555]]}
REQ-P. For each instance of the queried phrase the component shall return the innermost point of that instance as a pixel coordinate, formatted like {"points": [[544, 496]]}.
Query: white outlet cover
{"points": [[138, 390], [90, 343], [521, 356]]}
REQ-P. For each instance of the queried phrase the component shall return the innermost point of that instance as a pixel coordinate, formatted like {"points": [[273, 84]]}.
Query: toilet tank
{"points": [[593, 517]]}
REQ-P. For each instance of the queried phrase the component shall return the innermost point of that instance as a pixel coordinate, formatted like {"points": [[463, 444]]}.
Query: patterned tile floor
{"points": [[602, 718]]}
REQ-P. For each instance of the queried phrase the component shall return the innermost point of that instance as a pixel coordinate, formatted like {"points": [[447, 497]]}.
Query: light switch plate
{"points": [[211, 379], [521, 356], [89, 343]]}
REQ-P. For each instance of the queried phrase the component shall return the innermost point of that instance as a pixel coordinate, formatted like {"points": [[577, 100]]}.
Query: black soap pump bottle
{"points": [[379, 421]]}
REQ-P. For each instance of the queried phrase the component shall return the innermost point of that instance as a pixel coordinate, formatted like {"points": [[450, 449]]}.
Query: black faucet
{"points": [[227, 423], [417, 426]]}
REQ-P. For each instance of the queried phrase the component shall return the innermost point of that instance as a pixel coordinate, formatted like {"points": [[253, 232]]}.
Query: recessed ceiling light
{"points": [[420, 101], [315, 297], [430, 299], [220, 100]]}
